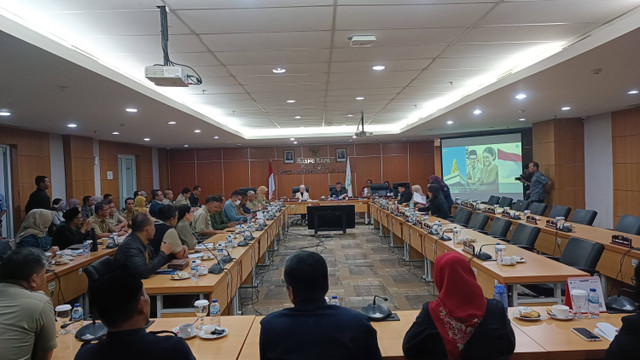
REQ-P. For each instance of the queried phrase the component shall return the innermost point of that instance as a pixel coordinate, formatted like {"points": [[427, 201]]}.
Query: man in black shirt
{"points": [[313, 329], [39, 199], [405, 194], [193, 199], [121, 303], [339, 192]]}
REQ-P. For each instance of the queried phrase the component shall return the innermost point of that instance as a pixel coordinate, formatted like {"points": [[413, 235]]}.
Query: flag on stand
{"points": [[347, 180], [272, 184], [509, 164]]}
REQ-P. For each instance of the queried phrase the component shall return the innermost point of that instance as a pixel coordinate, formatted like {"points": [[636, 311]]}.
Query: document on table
{"points": [[420, 199]]}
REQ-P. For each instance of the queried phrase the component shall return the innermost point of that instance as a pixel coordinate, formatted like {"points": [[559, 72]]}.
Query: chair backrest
{"points": [[493, 200], [246, 189], [499, 227], [331, 188], [559, 210], [525, 235], [505, 201], [584, 217], [520, 205], [581, 253], [478, 221], [379, 189], [462, 216], [538, 208], [628, 224], [98, 268], [6, 246], [296, 190]]}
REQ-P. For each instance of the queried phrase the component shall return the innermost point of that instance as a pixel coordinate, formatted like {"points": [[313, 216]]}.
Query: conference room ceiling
{"points": [[431, 49]]}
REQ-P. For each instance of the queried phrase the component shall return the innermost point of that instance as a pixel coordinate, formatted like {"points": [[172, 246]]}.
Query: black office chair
{"points": [[520, 205], [538, 208], [331, 188], [462, 216], [584, 217], [628, 224], [99, 268], [379, 189], [478, 222], [297, 190], [247, 189], [493, 200], [525, 236], [5, 248], [559, 211], [505, 201], [499, 228]]}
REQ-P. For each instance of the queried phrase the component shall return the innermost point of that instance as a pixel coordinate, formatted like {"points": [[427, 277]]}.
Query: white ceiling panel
{"points": [[238, 4], [401, 37], [119, 23], [399, 77], [268, 41], [149, 44], [472, 62], [82, 5], [273, 57], [292, 95], [388, 53], [309, 68], [364, 92], [526, 33], [283, 79], [284, 89], [225, 81], [503, 51], [211, 71], [444, 76], [365, 67], [258, 20]]}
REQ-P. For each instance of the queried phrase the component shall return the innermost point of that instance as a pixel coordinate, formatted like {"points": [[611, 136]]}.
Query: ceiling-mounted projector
{"points": [[161, 75], [360, 129], [363, 133], [361, 40]]}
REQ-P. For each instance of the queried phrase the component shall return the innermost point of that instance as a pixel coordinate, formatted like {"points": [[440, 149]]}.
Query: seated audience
{"points": [[119, 300], [168, 196], [366, 190], [107, 197], [115, 219], [312, 328], [183, 198], [252, 201], [73, 203], [230, 210], [27, 321], [437, 206], [405, 194], [87, 209], [100, 221], [263, 194], [39, 198], [461, 323], [194, 201], [339, 192], [624, 345], [185, 217], [140, 204], [33, 232], [157, 197], [209, 216], [166, 233], [242, 207], [136, 251], [130, 210], [418, 198], [446, 193], [74, 230], [302, 194], [57, 207]]}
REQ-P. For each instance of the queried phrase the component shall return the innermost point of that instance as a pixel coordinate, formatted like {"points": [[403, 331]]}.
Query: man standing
{"points": [[168, 197], [207, 216], [39, 199], [539, 183], [230, 210], [193, 199], [312, 328], [27, 323], [87, 210], [158, 197], [120, 301], [338, 193]]}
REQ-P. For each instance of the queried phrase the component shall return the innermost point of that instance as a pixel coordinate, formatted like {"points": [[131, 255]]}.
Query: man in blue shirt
{"points": [[157, 196], [539, 182], [230, 210]]}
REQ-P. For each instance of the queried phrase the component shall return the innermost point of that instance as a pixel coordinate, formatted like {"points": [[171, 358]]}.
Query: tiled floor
{"points": [[360, 265]]}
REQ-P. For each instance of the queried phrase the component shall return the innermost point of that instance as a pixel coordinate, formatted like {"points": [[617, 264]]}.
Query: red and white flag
{"points": [[509, 164], [272, 184]]}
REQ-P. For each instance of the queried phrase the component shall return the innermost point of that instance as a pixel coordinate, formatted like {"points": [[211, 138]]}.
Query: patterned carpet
{"points": [[361, 265]]}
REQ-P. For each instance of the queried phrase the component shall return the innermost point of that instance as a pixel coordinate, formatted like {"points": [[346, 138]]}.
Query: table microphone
{"points": [[483, 255], [216, 268], [227, 258]]}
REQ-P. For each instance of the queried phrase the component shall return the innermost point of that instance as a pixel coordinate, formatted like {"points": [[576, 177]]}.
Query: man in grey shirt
{"points": [[539, 183]]}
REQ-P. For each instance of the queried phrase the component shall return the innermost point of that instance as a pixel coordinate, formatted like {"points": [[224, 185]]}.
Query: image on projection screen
{"points": [[478, 167]]}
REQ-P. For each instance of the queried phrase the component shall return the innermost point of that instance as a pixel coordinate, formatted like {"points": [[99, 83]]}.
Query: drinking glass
{"points": [[579, 301], [63, 315], [201, 308]]}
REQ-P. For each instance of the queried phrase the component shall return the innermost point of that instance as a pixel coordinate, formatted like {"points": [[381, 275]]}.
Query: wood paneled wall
{"points": [[625, 133], [220, 171], [29, 158], [78, 163], [109, 152], [558, 146]]}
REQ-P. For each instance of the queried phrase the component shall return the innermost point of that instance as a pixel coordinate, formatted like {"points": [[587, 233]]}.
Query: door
{"points": [[5, 189], [126, 176]]}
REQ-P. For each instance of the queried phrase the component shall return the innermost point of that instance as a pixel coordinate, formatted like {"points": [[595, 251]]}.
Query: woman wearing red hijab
{"points": [[461, 323]]}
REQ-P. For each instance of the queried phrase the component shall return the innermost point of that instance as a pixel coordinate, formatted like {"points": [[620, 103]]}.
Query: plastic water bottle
{"points": [[86, 246], [77, 314], [194, 270], [498, 253], [594, 303], [500, 293], [456, 233], [334, 300], [214, 313]]}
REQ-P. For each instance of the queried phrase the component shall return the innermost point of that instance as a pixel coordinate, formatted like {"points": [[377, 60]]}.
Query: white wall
{"points": [[155, 168], [96, 167], [56, 158], [598, 168]]}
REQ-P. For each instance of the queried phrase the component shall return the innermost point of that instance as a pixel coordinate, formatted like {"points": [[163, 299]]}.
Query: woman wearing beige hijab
{"points": [[262, 196], [33, 232]]}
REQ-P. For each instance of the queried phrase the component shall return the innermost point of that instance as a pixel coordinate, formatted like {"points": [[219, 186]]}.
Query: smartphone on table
{"points": [[586, 334]]}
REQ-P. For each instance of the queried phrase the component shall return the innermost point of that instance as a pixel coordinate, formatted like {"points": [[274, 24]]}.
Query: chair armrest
{"points": [[501, 238], [552, 257], [482, 232], [527, 247], [587, 270]]}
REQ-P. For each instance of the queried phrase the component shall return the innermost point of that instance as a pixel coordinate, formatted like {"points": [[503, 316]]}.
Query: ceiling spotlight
{"points": [[171, 123], [297, 117], [565, 108], [477, 112], [72, 125], [185, 145], [5, 113], [146, 139], [379, 67], [349, 115], [521, 96], [522, 119], [295, 142], [631, 92], [131, 110], [292, 139], [239, 144], [115, 133], [216, 137], [197, 131], [449, 122], [279, 70], [360, 98], [291, 101]]}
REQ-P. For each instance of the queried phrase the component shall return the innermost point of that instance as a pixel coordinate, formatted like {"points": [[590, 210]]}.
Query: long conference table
{"points": [[536, 269], [300, 207], [544, 339]]}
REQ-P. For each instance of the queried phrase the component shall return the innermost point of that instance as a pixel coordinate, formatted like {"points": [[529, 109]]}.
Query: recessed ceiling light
{"points": [[291, 101], [292, 139], [197, 131], [522, 119], [379, 67], [146, 139], [115, 133], [360, 98], [449, 122], [72, 125], [131, 110], [216, 137], [5, 113], [354, 136], [239, 144], [477, 112], [295, 142], [349, 115], [279, 70], [297, 117], [171, 123], [565, 108], [521, 96], [185, 145], [631, 92]]}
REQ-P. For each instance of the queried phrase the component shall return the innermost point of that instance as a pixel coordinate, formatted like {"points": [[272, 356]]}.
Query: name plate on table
{"points": [[551, 224], [506, 215], [489, 210], [426, 226], [468, 205], [621, 240], [468, 247], [532, 220]]}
